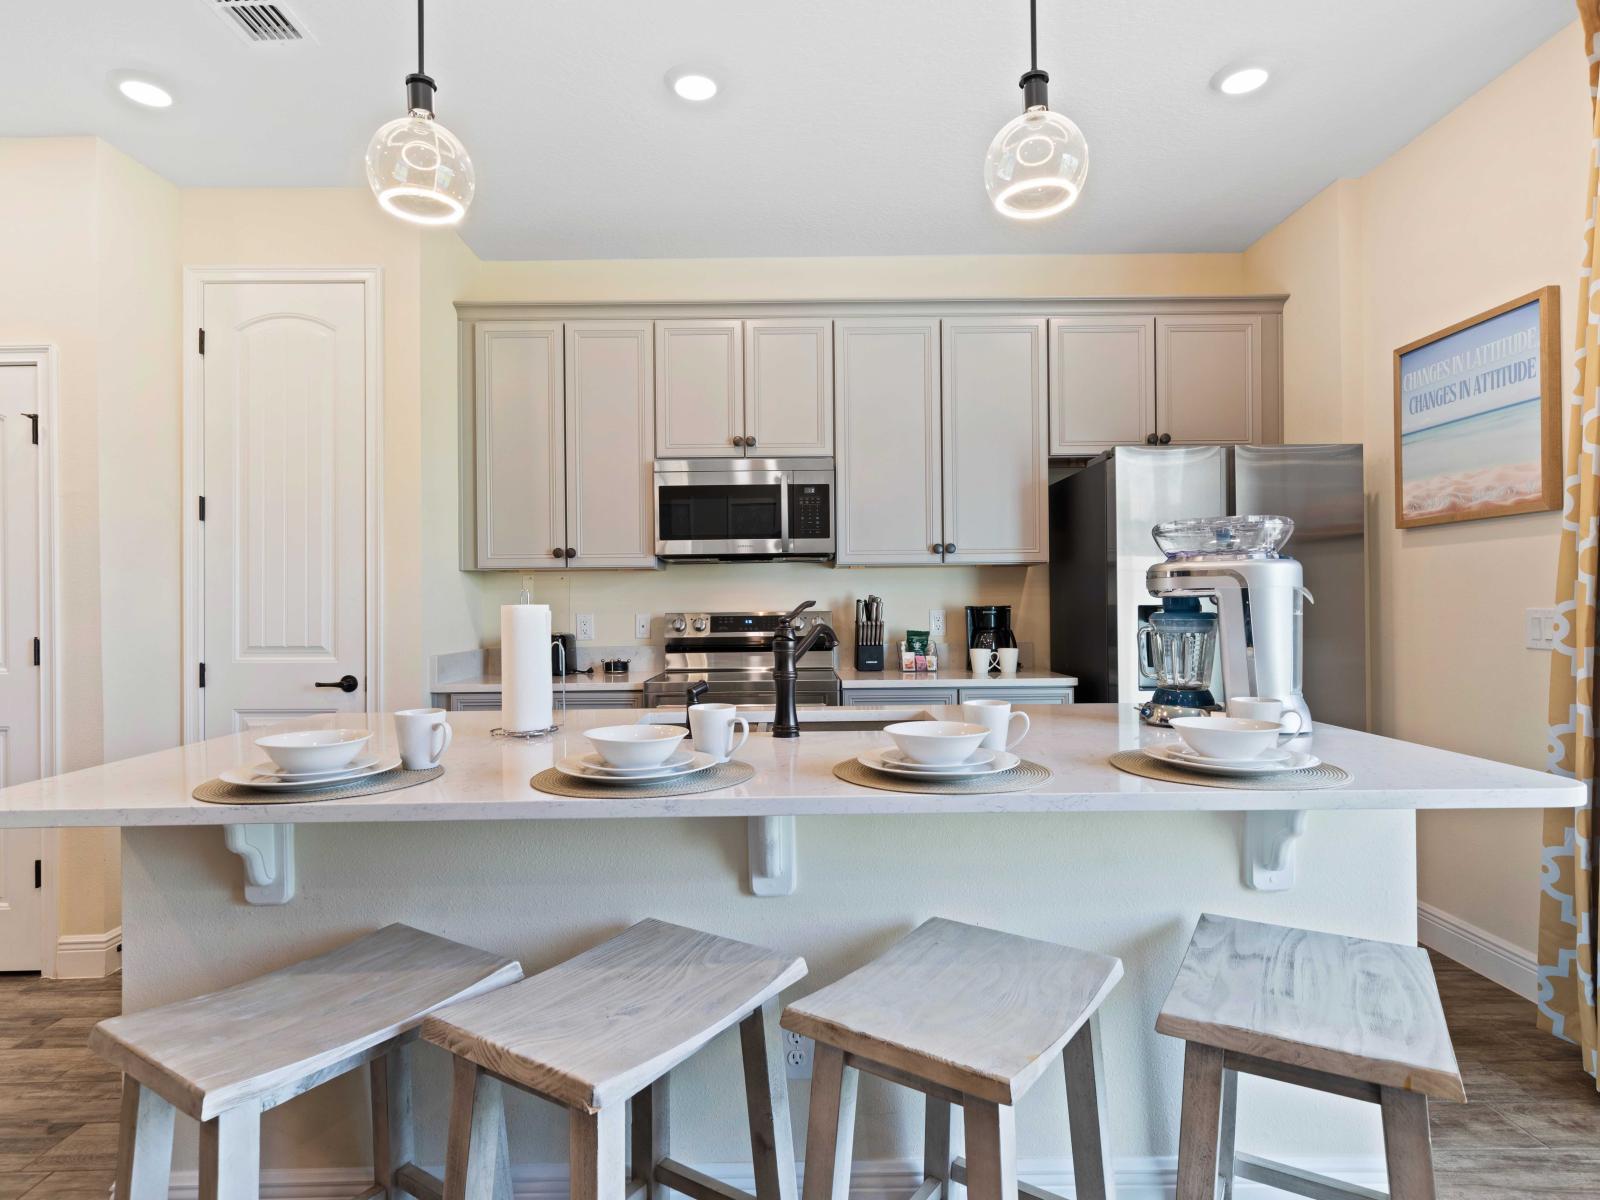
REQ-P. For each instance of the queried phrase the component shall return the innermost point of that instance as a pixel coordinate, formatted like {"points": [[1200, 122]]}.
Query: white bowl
{"points": [[937, 743], [636, 745], [1228, 737], [314, 749]]}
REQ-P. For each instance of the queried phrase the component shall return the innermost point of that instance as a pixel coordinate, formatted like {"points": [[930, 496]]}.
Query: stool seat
{"points": [[1360, 1009], [270, 1038], [592, 1031], [981, 1012]]}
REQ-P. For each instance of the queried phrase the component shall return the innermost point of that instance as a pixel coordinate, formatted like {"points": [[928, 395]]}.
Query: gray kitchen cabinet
{"points": [[880, 697], [888, 449], [788, 392], [519, 480], [610, 430], [1018, 693], [996, 467], [1209, 379], [1102, 382], [486, 701], [700, 389]]}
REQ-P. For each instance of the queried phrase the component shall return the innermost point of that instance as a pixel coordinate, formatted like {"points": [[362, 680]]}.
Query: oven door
{"points": [[720, 509]]}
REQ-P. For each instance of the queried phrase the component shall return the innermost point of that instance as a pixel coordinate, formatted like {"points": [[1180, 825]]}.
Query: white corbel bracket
{"points": [[268, 854], [772, 855], [1269, 841]]}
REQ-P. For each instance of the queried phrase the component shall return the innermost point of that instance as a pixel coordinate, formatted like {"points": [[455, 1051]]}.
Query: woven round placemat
{"points": [[712, 779], [214, 791], [1306, 779], [1018, 779]]}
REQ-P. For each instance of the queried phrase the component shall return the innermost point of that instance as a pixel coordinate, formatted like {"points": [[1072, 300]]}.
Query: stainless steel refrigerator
{"points": [[1100, 546]]}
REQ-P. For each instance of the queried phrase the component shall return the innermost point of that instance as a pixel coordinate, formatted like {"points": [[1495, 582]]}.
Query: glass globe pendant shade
{"points": [[420, 171], [1036, 165]]}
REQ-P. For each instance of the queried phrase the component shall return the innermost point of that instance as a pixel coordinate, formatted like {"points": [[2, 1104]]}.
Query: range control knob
{"points": [[679, 625], [701, 624]]}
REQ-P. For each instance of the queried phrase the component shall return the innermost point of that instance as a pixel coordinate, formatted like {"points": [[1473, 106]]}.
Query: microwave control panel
{"points": [[810, 510]]}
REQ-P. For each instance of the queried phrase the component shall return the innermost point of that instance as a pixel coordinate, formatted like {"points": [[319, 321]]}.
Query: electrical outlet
{"points": [[1541, 628], [936, 623], [585, 627], [641, 625], [797, 1055]]}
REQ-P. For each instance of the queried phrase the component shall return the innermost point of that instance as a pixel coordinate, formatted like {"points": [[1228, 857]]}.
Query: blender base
{"points": [[1170, 703]]}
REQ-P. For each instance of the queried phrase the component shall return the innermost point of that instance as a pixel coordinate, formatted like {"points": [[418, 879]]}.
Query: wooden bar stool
{"points": [[971, 1018], [227, 1057], [1342, 1015], [609, 1026]]}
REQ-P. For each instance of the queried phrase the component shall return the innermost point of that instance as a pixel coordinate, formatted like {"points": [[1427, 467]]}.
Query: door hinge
{"points": [[202, 674], [33, 419], [36, 648], [202, 508], [38, 873], [202, 341]]}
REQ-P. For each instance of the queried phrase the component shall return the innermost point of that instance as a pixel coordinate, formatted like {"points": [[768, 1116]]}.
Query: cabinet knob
{"points": [[749, 441], [949, 547], [558, 552], [1166, 438], [1150, 439], [937, 548], [738, 441], [571, 553]]}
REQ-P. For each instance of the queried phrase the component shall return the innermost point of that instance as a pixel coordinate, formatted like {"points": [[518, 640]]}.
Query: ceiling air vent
{"points": [[258, 20]]}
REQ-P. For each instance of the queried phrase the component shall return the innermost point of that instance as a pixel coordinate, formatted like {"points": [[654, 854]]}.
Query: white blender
{"points": [[1235, 562]]}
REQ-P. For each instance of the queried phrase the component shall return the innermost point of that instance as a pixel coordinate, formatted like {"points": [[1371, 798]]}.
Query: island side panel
{"points": [[1125, 884]]}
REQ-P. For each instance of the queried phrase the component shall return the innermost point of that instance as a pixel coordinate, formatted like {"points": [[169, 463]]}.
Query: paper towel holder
{"points": [[529, 734]]}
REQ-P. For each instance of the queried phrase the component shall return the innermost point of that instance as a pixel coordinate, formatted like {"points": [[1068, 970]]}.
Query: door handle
{"points": [[347, 683]]}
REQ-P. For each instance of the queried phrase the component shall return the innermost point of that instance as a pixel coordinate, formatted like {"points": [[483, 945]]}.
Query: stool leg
{"points": [[652, 1135], [991, 1149], [831, 1126], [476, 1164], [941, 1141], [595, 1153], [1407, 1144], [1225, 1139], [1087, 1114], [392, 1143], [766, 1091], [1200, 1123], [230, 1155], [144, 1144]]}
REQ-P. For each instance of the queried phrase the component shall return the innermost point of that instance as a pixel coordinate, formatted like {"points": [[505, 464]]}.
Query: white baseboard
{"points": [[1479, 950], [89, 955], [1152, 1178]]}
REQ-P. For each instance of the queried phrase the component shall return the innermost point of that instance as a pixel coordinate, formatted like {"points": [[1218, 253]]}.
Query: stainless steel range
{"points": [[731, 652]]}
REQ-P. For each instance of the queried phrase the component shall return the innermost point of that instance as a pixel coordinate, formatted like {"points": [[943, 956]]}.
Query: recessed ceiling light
{"points": [[1240, 81], [692, 85], [142, 91]]}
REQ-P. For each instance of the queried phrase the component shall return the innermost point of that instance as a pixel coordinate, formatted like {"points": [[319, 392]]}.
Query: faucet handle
{"points": [[795, 612]]}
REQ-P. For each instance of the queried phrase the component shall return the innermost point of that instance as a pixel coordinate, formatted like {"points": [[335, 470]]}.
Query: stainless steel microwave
{"points": [[755, 508]]}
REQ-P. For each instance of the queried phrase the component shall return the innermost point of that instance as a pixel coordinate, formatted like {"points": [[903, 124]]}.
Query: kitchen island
{"points": [[1094, 857]]}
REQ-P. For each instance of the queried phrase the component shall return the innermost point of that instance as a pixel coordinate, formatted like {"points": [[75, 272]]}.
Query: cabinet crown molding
{"points": [[1029, 306]]}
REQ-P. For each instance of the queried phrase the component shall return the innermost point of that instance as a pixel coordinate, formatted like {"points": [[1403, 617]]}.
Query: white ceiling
{"points": [[843, 127]]}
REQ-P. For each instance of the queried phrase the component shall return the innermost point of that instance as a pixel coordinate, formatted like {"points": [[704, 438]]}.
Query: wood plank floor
{"points": [[1530, 1129]]}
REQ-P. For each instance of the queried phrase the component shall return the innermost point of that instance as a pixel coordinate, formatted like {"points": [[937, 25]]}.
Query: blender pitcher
{"points": [[1177, 646]]}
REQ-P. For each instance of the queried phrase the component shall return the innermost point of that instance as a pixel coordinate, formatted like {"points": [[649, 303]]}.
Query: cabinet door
{"points": [[996, 474], [699, 389], [1208, 379], [1102, 383], [788, 388], [610, 435], [518, 464], [887, 435]]}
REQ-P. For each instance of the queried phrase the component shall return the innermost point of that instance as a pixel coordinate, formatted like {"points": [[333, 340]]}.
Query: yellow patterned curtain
{"points": [[1567, 903]]}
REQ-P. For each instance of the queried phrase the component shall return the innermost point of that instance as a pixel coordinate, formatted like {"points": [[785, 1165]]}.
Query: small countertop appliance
{"points": [[989, 627]]}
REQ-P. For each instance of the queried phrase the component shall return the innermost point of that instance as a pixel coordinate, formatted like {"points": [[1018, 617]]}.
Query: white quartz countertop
{"points": [[852, 678], [487, 779]]}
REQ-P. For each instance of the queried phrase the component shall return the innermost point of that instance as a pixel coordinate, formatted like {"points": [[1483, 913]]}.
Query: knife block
{"points": [[869, 658]]}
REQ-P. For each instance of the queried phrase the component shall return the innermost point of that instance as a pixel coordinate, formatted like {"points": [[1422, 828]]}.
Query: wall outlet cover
{"points": [[798, 1053], [585, 631], [641, 625], [936, 622]]}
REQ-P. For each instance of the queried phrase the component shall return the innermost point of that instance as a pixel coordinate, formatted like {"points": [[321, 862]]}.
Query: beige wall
{"points": [[1441, 230]]}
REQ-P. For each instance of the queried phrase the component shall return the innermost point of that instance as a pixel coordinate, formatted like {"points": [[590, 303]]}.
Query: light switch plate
{"points": [[1541, 625], [641, 625], [798, 1052], [585, 627], [936, 623]]}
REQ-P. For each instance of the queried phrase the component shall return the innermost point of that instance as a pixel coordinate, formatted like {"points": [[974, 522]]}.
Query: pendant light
{"points": [[418, 169], [1037, 164]]}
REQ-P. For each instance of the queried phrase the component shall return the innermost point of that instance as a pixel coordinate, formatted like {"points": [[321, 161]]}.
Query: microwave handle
{"points": [[785, 530]]}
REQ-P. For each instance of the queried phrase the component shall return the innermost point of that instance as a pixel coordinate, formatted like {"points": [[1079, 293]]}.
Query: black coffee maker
{"points": [[989, 627]]}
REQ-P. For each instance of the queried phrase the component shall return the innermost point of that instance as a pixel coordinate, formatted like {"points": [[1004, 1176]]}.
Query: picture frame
{"points": [[1477, 416]]}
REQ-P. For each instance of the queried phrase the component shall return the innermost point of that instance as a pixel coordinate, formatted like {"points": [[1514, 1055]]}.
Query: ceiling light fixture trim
{"points": [[692, 85], [1241, 80], [1037, 163], [143, 91]]}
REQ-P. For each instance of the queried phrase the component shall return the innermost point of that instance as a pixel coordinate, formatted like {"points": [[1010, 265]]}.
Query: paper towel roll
{"points": [[526, 700]]}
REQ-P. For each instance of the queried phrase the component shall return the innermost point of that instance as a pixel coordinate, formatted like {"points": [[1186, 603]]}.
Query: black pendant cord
{"points": [[420, 69], [419, 88], [1033, 33], [1033, 83]]}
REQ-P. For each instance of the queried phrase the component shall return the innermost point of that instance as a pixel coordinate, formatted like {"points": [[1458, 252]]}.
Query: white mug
{"points": [[983, 661], [423, 735], [1263, 708], [995, 716], [712, 727], [1007, 659]]}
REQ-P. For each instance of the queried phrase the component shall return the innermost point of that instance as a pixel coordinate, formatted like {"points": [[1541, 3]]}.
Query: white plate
{"points": [[1298, 761], [246, 777], [878, 760], [979, 758], [268, 769], [574, 766], [1190, 754], [595, 762]]}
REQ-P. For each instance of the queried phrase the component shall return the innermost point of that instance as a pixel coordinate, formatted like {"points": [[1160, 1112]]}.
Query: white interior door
{"points": [[20, 915], [284, 479]]}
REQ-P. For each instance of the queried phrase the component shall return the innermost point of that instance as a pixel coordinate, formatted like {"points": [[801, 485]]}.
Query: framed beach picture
{"points": [[1478, 418]]}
